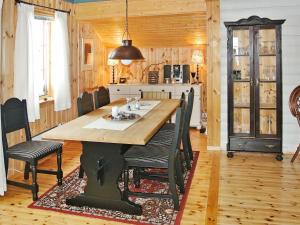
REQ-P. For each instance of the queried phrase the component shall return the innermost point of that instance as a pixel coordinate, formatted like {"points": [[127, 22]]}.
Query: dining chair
{"points": [[85, 105], [158, 157], [294, 104], [165, 134], [13, 118], [157, 95], [101, 97]]}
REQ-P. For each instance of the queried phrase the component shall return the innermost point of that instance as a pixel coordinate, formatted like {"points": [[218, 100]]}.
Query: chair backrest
{"points": [[85, 104], [156, 95], [14, 117], [182, 99], [101, 97], [294, 103], [188, 112], [178, 128]]}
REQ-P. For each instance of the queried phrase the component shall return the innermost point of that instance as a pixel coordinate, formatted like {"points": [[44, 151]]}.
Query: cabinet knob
{"points": [[140, 90], [270, 146], [118, 89], [163, 90]]}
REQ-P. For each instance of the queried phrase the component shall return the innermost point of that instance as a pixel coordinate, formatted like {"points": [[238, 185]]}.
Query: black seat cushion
{"points": [[147, 156], [164, 136], [33, 149]]}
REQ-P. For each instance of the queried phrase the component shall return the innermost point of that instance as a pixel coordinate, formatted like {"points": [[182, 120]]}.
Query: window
{"points": [[41, 54]]}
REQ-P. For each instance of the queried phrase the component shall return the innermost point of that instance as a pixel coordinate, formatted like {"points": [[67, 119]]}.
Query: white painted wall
{"points": [[233, 10]]}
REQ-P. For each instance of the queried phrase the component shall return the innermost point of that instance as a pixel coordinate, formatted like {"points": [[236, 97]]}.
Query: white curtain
{"points": [[3, 187], [24, 73], [60, 68]]}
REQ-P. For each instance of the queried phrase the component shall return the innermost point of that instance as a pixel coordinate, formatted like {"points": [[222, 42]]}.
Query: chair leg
{"points": [[186, 152], [26, 170], [179, 176], [172, 185], [126, 178], [136, 177], [35, 187], [59, 170], [81, 171], [296, 154], [190, 147]]}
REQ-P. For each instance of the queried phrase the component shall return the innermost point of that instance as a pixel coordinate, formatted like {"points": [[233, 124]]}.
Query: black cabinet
{"points": [[254, 72]]}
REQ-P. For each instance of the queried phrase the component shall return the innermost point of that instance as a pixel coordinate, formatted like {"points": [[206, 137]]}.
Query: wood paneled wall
{"points": [[174, 55], [80, 80]]}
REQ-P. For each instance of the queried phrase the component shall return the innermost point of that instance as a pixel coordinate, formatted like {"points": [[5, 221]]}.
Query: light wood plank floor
{"points": [[248, 189]]}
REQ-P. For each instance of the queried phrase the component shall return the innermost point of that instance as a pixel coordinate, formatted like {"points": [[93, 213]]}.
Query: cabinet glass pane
{"points": [[267, 42], [241, 120], [241, 94], [268, 122], [267, 55], [267, 95], [240, 42], [241, 59]]}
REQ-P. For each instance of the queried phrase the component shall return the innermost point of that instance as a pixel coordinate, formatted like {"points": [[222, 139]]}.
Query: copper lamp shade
{"points": [[126, 51]]}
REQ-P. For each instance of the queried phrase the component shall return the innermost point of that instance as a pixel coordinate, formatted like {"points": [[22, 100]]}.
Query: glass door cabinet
{"points": [[254, 86]]}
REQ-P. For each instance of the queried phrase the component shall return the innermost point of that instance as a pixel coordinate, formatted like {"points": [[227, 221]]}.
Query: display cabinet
{"points": [[254, 73]]}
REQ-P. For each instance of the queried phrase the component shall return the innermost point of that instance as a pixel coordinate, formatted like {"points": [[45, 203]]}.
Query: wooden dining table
{"points": [[102, 156]]}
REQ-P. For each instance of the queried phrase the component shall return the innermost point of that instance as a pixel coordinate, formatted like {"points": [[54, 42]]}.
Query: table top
{"points": [[137, 134]]}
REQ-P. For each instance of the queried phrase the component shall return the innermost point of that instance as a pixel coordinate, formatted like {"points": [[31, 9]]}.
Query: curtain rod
{"points": [[42, 6]]}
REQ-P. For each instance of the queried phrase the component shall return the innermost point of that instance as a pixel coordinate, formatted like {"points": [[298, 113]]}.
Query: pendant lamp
{"points": [[127, 51]]}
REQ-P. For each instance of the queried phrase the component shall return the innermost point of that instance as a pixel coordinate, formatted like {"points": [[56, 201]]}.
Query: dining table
{"points": [[104, 143]]}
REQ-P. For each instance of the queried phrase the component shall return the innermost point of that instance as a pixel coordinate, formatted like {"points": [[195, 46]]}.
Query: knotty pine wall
{"points": [[80, 80], [171, 55]]}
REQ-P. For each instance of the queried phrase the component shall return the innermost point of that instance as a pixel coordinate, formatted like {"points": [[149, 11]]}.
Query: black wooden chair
{"points": [[85, 105], [14, 117], [101, 97], [165, 134], [162, 157], [294, 104]]}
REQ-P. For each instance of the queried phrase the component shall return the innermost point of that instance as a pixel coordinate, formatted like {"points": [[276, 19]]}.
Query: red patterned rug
{"points": [[155, 211]]}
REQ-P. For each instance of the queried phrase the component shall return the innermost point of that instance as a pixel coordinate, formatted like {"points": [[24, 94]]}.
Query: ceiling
{"points": [[155, 31], [152, 23]]}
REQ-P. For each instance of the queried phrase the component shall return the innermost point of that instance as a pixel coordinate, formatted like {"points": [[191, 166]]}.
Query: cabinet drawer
{"points": [[137, 89], [164, 88], [119, 90], [254, 145]]}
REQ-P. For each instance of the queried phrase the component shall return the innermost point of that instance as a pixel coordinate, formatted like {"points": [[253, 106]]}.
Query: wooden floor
{"points": [[248, 189]]}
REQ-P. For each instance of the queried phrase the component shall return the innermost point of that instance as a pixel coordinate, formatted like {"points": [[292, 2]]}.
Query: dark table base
{"points": [[103, 164]]}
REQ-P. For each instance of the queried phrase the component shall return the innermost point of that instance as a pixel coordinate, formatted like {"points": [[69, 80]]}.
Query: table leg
{"points": [[103, 164]]}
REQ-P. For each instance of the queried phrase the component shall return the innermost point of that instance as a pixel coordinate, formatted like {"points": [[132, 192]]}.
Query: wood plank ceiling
{"points": [[152, 23]]}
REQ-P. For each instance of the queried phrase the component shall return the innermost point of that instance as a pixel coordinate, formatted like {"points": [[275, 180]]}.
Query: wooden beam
{"points": [[213, 73], [116, 8]]}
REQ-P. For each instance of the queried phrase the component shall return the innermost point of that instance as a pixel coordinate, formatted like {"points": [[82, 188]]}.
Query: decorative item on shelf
{"points": [[193, 74], [270, 124], [197, 58], [153, 77], [127, 51], [112, 63], [122, 80], [156, 68]]}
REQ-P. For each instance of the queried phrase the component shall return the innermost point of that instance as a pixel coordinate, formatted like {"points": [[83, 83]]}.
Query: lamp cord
{"points": [[126, 23]]}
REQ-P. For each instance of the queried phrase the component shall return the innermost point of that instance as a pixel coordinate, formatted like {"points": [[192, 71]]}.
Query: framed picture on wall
{"points": [[87, 54]]}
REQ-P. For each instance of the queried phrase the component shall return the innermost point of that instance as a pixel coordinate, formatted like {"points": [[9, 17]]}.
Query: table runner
{"points": [[146, 106]]}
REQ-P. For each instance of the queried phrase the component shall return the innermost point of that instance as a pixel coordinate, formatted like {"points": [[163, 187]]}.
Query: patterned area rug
{"points": [[155, 211]]}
